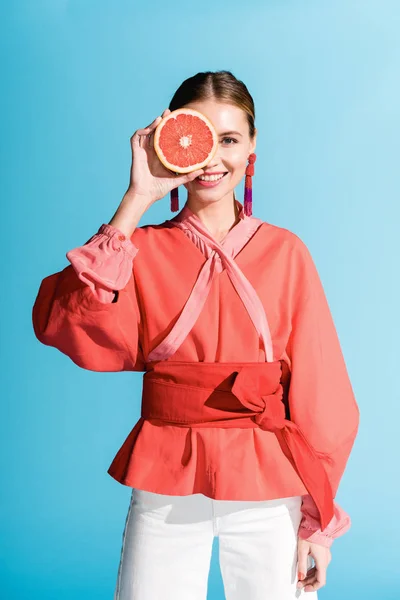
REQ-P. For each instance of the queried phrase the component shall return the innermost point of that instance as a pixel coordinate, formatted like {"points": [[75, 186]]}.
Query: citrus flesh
{"points": [[185, 140]]}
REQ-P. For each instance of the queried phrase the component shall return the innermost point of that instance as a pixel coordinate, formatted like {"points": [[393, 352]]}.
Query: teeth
{"points": [[210, 177]]}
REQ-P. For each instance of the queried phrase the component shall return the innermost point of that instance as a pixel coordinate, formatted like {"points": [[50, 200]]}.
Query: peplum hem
{"points": [[175, 460]]}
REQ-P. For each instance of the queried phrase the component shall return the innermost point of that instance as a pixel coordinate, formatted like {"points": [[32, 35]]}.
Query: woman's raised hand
{"points": [[149, 178]]}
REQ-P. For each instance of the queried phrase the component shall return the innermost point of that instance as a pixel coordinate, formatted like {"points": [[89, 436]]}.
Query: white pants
{"points": [[167, 547]]}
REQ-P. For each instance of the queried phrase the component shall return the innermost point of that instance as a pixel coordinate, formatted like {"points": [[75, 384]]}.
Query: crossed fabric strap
{"points": [[219, 257]]}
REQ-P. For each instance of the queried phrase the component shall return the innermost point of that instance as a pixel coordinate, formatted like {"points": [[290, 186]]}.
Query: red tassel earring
{"points": [[174, 200], [248, 186]]}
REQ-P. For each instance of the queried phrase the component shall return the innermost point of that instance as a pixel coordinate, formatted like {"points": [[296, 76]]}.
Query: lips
{"points": [[210, 174], [215, 173], [209, 183]]}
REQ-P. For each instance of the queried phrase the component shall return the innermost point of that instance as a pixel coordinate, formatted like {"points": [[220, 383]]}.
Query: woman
{"points": [[248, 415]]}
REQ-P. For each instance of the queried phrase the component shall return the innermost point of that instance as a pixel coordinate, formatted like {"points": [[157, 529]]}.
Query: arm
{"points": [[321, 399], [75, 313]]}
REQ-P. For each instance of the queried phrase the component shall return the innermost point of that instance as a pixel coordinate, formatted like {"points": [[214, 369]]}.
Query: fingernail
{"points": [[301, 575]]}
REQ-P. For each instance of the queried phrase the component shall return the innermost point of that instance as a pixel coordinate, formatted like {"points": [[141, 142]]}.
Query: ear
{"points": [[253, 142]]}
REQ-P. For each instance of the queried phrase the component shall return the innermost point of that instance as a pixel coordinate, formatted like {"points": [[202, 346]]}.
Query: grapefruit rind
{"points": [[193, 167]]}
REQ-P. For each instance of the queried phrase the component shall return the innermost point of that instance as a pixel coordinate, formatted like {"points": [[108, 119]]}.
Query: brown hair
{"points": [[219, 85]]}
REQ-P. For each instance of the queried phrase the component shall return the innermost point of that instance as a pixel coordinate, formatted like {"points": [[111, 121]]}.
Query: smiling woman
{"points": [[226, 102], [248, 416]]}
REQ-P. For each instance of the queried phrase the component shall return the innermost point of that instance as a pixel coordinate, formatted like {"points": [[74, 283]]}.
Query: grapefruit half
{"points": [[185, 140]]}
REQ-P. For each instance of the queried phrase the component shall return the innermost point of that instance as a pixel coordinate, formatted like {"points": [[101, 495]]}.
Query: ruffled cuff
{"points": [[104, 263], [310, 529]]}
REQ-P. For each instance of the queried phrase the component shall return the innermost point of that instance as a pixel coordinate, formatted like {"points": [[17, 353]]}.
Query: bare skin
{"points": [[315, 577]]}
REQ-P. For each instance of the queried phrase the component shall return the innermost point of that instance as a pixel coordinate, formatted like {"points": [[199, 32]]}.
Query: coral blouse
{"points": [[172, 292]]}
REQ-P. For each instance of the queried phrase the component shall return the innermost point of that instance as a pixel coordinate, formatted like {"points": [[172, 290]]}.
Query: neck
{"points": [[218, 216]]}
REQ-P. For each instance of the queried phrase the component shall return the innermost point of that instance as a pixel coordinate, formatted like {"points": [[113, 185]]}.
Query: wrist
{"points": [[139, 200], [129, 212]]}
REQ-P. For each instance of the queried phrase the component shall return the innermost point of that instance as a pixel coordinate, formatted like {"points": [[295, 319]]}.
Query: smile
{"points": [[210, 180]]}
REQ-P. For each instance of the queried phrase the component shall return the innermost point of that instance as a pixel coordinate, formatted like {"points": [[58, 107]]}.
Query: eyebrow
{"points": [[230, 132]]}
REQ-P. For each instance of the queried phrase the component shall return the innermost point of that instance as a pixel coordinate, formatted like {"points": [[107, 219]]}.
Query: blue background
{"points": [[80, 77]]}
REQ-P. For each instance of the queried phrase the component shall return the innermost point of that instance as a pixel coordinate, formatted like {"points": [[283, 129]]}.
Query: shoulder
{"points": [[274, 240], [289, 253], [287, 239], [153, 233]]}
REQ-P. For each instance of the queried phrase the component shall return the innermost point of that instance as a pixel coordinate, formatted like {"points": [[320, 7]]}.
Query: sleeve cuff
{"points": [[104, 263], [310, 529]]}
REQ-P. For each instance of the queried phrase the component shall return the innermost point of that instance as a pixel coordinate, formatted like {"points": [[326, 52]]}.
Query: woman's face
{"points": [[234, 148]]}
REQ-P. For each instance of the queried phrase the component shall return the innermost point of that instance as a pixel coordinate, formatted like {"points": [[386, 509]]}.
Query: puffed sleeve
{"points": [[89, 310], [321, 398]]}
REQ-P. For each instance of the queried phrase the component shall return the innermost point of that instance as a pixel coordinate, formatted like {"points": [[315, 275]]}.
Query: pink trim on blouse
{"points": [[219, 256]]}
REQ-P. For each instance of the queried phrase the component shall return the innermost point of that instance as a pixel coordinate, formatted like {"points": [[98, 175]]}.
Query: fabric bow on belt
{"points": [[269, 414]]}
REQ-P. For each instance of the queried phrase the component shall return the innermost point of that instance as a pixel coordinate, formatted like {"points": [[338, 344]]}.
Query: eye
{"points": [[230, 138]]}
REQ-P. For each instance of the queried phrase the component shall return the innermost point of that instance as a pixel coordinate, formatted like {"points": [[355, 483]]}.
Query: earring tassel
{"points": [[174, 200], [248, 197], [248, 186]]}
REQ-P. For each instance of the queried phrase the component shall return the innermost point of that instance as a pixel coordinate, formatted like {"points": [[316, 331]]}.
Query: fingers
{"points": [[302, 558], [151, 128], [308, 579], [187, 177], [144, 134], [139, 137], [314, 580], [152, 125], [320, 571]]}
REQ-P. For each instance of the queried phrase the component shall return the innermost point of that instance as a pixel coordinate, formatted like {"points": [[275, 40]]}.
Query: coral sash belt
{"points": [[188, 394]]}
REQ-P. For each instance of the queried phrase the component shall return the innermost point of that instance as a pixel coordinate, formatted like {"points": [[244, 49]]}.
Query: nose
{"points": [[216, 163]]}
